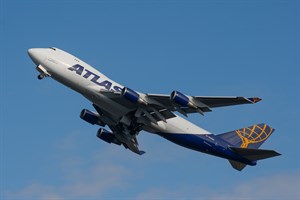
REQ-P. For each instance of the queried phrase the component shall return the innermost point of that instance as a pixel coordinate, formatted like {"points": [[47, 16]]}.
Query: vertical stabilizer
{"points": [[250, 137], [245, 143]]}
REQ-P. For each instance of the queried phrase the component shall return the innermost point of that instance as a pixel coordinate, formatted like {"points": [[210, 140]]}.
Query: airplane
{"points": [[127, 112]]}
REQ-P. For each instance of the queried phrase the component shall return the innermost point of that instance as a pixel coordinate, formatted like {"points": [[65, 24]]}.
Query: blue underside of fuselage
{"points": [[206, 143]]}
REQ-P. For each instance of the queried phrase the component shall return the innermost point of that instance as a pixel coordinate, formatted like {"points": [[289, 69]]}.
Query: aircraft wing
{"points": [[209, 101], [123, 133], [200, 104], [157, 107]]}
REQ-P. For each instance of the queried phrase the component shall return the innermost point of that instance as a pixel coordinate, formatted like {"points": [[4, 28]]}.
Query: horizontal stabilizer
{"points": [[254, 154], [237, 165]]}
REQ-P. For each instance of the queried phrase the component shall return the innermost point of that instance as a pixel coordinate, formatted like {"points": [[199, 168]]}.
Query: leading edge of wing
{"points": [[210, 101]]}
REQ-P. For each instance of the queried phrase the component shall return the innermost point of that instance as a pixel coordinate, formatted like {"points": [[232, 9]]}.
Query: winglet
{"points": [[254, 99]]}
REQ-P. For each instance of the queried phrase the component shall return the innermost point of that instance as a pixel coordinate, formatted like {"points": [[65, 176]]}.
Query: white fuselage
{"points": [[90, 83]]}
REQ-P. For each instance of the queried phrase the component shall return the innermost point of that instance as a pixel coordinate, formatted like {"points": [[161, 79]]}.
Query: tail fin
{"points": [[250, 137], [246, 141]]}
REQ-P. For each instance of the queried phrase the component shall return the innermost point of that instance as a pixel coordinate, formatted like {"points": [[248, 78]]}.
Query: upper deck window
{"points": [[52, 48]]}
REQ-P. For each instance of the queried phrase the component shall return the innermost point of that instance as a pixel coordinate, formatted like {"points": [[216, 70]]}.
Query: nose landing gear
{"points": [[43, 72], [41, 76]]}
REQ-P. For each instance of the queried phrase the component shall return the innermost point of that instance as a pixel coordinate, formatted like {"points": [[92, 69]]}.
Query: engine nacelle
{"points": [[133, 96], [91, 117], [187, 101], [130, 94], [107, 136], [180, 99]]}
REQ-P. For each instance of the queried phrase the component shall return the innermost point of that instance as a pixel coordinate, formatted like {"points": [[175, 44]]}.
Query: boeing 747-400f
{"points": [[127, 112]]}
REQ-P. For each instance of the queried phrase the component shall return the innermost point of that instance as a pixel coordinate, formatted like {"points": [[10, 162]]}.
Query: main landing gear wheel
{"points": [[41, 76]]}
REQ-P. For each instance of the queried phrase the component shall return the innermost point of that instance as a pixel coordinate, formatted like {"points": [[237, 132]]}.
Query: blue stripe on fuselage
{"points": [[206, 143]]}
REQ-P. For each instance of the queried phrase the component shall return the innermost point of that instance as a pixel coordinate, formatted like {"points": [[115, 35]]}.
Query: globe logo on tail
{"points": [[254, 134]]}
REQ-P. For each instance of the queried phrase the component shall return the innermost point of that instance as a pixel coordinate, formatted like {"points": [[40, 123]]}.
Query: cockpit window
{"points": [[52, 48]]}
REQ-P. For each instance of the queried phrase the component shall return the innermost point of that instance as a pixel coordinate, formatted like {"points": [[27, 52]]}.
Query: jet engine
{"points": [[132, 96], [91, 117], [107, 136], [187, 101], [180, 99]]}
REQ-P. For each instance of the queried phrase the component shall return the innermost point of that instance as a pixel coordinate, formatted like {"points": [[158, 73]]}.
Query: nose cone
{"points": [[37, 55], [31, 52]]}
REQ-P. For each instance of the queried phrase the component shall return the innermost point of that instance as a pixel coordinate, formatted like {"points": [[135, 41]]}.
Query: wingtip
{"points": [[254, 99], [278, 154]]}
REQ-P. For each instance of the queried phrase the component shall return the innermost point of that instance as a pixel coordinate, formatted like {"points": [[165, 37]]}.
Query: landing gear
{"points": [[41, 76], [43, 72]]}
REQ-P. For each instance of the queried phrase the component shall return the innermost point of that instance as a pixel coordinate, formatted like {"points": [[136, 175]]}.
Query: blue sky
{"points": [[209, 48]]}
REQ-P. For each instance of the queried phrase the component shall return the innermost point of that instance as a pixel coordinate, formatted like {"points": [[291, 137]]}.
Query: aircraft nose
{"points": [[31, 53], [37, 55]]}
